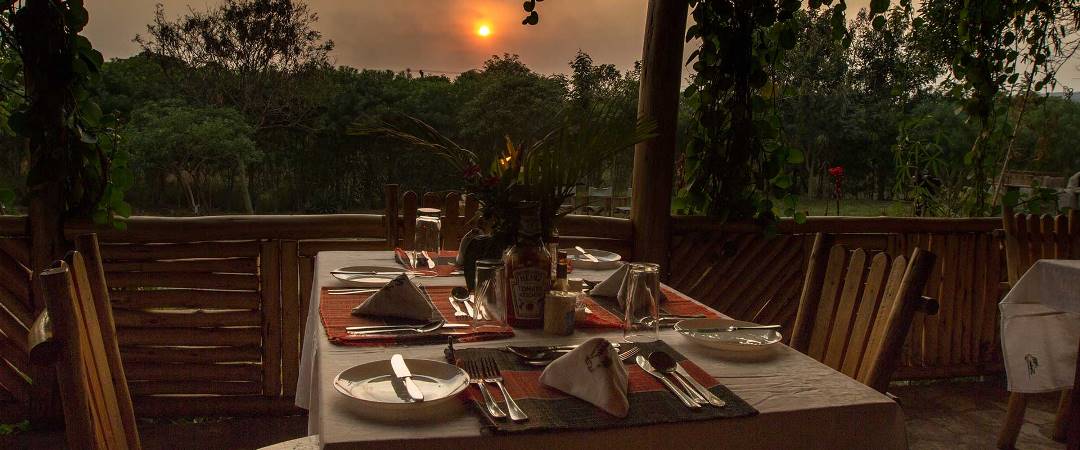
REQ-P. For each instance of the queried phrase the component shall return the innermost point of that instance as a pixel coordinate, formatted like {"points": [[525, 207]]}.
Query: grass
{"points": [[853, 207]]}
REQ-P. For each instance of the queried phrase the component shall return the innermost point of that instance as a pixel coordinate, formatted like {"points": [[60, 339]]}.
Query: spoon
{"points": [[663, 362], [462, 295]]}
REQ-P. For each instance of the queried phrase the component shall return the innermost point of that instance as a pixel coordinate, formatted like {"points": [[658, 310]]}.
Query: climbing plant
{"points": [[76, 168]]}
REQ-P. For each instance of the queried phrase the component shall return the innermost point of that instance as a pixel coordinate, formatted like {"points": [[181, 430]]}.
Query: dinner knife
{"points": [[707, 394], [401, 371], [353, 272], [648, 368], [396, 327], [734, 328]]}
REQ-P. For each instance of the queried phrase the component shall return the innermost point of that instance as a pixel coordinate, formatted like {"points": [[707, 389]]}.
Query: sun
{"points": [[483, 30]]}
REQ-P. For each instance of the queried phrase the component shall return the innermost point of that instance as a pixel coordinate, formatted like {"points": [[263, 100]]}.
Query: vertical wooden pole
{"points": [[654, 159], [391, 212]]}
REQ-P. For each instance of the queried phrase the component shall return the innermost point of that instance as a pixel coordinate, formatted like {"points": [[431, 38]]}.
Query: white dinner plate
{"points": [[608, 260], [367, 280], [374, 385], [735, 341]]}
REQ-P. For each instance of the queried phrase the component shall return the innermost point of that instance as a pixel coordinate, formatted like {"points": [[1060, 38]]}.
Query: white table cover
{"points": [[1040, 326], [802, 403]]}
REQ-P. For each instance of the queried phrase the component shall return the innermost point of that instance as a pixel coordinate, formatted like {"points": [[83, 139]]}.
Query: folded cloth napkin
{"points": [[399, 298], [615, 286], [594, 373], [612, 286]]}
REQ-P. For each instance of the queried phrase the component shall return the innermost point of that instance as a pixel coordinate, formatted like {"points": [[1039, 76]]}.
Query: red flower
{"points": [[471, 171], [491, 181], [837, 171]]}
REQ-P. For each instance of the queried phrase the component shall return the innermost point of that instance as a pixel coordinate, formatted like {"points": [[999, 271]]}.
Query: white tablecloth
{"points": [[1040, 326], [802, 403]]}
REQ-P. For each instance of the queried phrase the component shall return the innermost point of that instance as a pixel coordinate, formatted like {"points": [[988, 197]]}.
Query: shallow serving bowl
{"points": [[695, 330]]}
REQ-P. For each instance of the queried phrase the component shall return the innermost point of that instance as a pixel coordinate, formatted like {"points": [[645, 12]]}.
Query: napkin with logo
{"points": [[592, 372], [399, 298]]}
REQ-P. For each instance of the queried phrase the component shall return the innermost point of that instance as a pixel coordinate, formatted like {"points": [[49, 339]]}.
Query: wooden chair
{"points": [[77, 331], [1029, 238], [455, 221], [854, 317]]}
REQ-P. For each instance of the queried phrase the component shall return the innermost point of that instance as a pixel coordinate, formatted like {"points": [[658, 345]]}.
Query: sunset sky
{"points": [[438, 35]]}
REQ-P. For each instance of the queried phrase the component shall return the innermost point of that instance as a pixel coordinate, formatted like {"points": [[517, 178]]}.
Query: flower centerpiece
{"points": [[545, 170]]}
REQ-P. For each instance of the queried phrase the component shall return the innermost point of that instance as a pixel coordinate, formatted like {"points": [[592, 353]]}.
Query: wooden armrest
{"points": [[928, 305], [44, 350]]}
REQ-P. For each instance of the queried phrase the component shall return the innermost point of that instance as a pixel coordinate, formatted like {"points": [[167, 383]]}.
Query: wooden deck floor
{"points": [[945, 415]]}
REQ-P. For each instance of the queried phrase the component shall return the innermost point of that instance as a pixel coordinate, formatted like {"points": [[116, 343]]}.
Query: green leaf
{"points": [[7, 197], [795, 156], [782, 181], [90, 112], [878, 6], [800, 217]]}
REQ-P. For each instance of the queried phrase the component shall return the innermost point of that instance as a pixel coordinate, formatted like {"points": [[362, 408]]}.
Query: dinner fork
{"points": [[476, 377], [492, 375], [629, 354]]}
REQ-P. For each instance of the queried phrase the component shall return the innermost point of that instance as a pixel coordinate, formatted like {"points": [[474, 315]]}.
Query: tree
{"points": [[189, 143], [251, 55]]}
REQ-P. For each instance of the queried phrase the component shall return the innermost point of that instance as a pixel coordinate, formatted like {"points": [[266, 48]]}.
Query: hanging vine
{"points": [[75, 164]]}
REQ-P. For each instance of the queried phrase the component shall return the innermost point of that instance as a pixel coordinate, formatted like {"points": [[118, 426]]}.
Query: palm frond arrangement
{"points": [[545, 170]]}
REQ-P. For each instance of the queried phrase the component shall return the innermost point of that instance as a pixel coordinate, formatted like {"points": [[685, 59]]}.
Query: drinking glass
{"points": [[428, 229], [642, 303]]}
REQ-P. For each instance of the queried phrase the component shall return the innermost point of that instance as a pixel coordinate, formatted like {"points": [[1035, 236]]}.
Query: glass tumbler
{"points": [[428, 233], [642, 303]]}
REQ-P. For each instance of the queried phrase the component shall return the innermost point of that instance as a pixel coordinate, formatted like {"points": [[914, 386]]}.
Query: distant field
{"points": [[854, 207]]}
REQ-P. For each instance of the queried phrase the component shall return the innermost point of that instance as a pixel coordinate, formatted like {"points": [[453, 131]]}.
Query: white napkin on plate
{"points": [[592, 372], [399, 298]]}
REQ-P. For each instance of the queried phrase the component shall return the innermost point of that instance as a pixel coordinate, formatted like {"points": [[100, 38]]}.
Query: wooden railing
{"points": [[210, 310]]}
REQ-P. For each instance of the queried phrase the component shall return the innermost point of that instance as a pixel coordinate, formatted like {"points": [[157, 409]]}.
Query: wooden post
{"points": [[391, 212], [654, 159]]}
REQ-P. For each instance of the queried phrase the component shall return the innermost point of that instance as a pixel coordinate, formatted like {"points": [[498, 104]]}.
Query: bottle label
{"points": [[529, 286]]}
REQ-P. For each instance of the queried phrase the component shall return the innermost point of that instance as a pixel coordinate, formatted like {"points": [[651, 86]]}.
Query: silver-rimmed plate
{"points": [[608, 260], [704, 332], [367, 276], [374, 384]]}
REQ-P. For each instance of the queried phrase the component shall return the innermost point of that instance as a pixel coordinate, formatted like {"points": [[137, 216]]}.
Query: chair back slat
{"points": [[451, 222], [864, 319], [885, 308], [1047, 237], [94, 409], [845, 309], [1034, 242], [826, 303], [409, 203], [1062, 245], [859, 317], [882, 357], [87, 245], [1074, 234], [1029, 238], [433, 200]]}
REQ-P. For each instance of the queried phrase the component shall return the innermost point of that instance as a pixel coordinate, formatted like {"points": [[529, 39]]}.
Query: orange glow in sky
{"points": [[484, 30]]}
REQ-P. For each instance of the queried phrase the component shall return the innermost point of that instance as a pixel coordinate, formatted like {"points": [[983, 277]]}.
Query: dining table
{"points": [[1040, 326], [800, 402]]}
